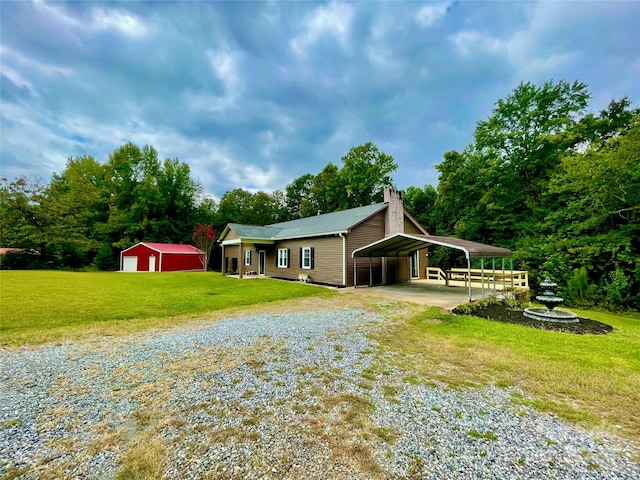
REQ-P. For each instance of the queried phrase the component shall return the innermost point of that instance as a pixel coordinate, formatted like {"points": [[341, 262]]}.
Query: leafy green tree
{"points": [[596, 219], [241, 206], [360, 181], [365, 174], [299, 198], [420, 203], [22, 219]]}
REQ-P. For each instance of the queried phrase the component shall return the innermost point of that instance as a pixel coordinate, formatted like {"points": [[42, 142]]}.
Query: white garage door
{"points": [[130, 264]]}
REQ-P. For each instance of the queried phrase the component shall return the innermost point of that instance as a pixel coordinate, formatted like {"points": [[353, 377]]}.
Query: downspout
{"points": [[344, 259], [160, 260]]}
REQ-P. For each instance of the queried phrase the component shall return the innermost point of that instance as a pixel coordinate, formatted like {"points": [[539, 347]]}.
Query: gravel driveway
{"points": [[296, 395]]}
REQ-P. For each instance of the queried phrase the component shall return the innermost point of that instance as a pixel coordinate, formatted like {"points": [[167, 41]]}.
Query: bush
{"points": [[617, 287], [516, 298], [579, 292]]}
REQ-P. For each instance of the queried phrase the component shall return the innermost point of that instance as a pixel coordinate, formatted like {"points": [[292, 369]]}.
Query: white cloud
{"points": [[56, 13], [28, 63], [470, 42], [332, 20], [119, 21], [429, 14], [101, 20]]}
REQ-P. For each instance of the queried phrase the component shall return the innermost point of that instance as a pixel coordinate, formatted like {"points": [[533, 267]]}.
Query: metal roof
{"points": [[253, 231], [325, 224], [402, 245], [169, 248]]}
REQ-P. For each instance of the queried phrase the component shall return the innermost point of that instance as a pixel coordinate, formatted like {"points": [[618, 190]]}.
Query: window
{"points": [[247, 257], [283, 258], [306, 257]]}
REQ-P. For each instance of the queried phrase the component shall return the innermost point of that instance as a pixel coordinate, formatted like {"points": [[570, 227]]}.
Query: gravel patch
{"points": [[294, 395]]}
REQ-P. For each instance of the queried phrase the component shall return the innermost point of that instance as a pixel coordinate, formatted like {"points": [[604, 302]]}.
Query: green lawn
{"points": [[592, 380], [40, 306]]}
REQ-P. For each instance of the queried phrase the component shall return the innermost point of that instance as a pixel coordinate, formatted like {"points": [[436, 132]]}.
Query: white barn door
{"points": [[152, 263]]}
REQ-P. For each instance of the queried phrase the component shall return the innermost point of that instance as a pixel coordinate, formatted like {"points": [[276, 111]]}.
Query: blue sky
{"points": [[255, 94]]}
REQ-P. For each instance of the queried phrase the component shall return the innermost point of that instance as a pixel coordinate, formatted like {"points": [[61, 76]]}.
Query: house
{"points": [[319, 249], [161, 257]]}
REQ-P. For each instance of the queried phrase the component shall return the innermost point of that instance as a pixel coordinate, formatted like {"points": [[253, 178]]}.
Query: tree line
{"points": [[543, 177]]}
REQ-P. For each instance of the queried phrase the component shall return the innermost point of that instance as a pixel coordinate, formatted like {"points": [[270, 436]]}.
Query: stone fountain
{"points": [[550, 301]]}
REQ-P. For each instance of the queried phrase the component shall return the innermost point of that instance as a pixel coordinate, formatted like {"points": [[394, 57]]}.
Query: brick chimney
{"points": [[394, 215]]}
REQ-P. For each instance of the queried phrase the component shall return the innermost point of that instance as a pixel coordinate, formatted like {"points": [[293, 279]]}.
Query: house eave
{"points": [[249, 241]]}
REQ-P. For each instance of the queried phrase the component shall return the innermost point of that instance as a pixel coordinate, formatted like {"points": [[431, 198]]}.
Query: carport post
{"points": [[493, 261], [482, 274], [469, 273], [355, 276], [370, 273], [511, 259]]}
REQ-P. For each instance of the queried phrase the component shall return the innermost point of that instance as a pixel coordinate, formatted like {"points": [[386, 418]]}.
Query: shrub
{"points": [[617, 287], [579, 292], [516, 298]]}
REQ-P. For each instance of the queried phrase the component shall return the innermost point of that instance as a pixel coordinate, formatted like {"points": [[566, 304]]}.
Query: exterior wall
{"points": [[231, 252], [367, 232], [171, 262], [327, 266], [253, 264], [231, 235], [423, 261], [143, 253], [180, 262]]}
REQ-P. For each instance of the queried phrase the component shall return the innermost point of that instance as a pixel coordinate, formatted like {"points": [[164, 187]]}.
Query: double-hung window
{"points": [[306, 257], [247, 257], [283, 258]]}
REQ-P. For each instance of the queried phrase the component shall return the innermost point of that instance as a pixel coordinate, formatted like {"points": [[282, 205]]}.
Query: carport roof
{"points": [[403, 244]]}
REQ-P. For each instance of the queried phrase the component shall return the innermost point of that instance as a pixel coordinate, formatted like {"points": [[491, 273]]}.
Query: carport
{"points": [[403, 244]]}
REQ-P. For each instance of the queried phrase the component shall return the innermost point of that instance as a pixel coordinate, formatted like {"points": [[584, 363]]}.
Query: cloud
{"points": [[332, 20], [429, 14], [119, 21], [253, 95], [471, 42]]}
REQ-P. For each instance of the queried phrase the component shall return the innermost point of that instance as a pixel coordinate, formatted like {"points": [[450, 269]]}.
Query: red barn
{"points": [[161, 257]]}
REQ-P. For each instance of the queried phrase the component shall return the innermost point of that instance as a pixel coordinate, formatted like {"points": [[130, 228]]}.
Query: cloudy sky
{"points": [[255, 94]]}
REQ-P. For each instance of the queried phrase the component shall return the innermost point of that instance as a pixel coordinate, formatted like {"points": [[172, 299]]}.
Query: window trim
{"points": [[302, 259], [284, 264], [247, 257]]}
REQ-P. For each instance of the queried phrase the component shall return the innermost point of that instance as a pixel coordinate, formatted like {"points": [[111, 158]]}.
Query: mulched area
{"points": [[501, 313]]}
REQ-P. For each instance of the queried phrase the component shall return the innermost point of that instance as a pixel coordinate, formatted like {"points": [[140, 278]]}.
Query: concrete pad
{"points": [[421, 292]]}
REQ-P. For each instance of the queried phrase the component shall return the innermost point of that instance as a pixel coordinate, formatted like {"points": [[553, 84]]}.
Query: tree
{"points": [[365, 174], [240, 206], [204, 236], [420, 203], [596, 222], [22, 220], [361, 181], [516, 151]]}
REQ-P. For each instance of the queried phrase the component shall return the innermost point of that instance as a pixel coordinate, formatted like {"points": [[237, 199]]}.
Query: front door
{"points": [[415, 267], [262, 256], [152, 263]]}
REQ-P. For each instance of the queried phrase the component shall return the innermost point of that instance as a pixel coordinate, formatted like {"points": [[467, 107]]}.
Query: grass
{"points": [[592, 380], [43, 306]]}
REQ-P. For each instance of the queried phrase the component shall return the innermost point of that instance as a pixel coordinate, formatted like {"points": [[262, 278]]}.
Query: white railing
{"points": [[492, 279]]}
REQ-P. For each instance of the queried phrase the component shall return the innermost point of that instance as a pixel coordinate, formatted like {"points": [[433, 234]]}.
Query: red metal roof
{"points": [[172, 248]]}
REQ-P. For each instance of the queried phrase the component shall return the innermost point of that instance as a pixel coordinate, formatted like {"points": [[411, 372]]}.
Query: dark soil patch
{"points": [[501, 313]]}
